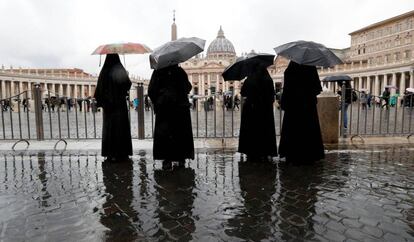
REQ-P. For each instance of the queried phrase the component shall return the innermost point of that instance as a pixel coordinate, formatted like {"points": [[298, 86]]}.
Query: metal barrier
{"points": [[61, 118], [377, 117]]}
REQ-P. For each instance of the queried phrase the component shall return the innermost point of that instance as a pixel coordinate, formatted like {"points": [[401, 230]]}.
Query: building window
{"points": [[397, 56], [407, 54], [387, 58]]}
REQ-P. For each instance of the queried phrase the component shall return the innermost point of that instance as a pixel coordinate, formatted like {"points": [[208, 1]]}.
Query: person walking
{"points": [[386, 97], [236, 102], [257, 128], [363, 99], [25, 104], [346, 102], [110, 94], [301, 139], [173, 136], [369, 99]]}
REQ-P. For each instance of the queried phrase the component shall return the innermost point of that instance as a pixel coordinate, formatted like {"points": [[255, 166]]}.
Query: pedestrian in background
{"points": [[111, 93], [363, 99], [173, 136], [386, 97], [369, 99], [301, 139]]}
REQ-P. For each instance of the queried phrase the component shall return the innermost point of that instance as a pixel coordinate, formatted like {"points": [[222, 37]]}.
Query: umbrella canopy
{"points": [[337, 78], [122, 48], [410, 89], [240, 69], [308, 53], [177, 51], [390, 86]]}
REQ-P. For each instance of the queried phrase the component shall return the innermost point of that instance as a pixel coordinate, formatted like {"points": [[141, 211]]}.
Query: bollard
{"points": [[140, 111], [37, 96], [328, 117]]}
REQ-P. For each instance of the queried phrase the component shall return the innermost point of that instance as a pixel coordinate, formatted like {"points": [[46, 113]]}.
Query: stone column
{"points": [[3, 88], [360, 83], [394, 83], [60, 89], [12, 88], [82, 91], [68, 90], [384, 82], [369, 84], [412, 78], [76, 91], [20, 86], [402, 83], [376, 85]]}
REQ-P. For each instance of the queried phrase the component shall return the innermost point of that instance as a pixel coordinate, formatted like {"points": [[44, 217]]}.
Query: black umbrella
{"points": [[177, 51], [308, 53], [243, 65], [337, 78]]}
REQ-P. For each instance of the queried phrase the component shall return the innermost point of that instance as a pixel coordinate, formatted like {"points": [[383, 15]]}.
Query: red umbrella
{"points": [[122, 48]]}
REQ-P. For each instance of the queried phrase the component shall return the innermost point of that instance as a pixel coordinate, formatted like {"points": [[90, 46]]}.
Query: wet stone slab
{"points": [[352, 195]]}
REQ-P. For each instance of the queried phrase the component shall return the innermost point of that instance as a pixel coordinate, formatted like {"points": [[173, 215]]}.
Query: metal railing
{"points": [[377, 116], [54, 117]]}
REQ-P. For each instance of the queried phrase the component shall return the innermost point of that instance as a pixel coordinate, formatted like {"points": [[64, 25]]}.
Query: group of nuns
{"points": [[300, 142]]}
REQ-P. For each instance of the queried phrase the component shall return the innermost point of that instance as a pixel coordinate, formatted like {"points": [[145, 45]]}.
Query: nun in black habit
{"points": [[173, 135], [301, 139], [111, 92], [257, 128]]}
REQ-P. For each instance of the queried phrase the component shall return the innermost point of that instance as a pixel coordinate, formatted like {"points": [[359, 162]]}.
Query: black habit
{"points": [[173, 135], [301, 139], [257, 127], [111, 92]]}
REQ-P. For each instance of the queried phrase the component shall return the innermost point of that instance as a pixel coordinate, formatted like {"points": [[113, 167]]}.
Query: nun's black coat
{"points": [[257, 127], [301, 139], [111, 92], [173, 135]]}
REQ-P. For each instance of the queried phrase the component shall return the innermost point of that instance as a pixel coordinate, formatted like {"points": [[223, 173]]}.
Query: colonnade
{"points": [[376, 83], [70, 88], [204, 81]]}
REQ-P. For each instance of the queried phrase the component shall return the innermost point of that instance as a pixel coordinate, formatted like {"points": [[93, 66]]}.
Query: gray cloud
{"points": [[50, 33]]}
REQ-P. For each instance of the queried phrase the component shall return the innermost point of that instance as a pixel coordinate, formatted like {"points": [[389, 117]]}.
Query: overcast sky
{"points": [[63, 33]]}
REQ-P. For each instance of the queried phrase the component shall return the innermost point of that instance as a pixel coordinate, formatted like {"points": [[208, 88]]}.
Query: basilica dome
{"points": [[221, 47]]}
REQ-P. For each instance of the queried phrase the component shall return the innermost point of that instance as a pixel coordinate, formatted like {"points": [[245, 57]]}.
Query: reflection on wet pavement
{"points": [[359, 194]]}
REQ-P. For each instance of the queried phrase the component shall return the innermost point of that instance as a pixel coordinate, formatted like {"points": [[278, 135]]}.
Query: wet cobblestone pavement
{"points": [[353, 195]]}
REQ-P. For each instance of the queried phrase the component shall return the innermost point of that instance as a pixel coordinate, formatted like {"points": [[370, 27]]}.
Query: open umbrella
{"points": [[239, 69], [308, 53], [177, 51], [410, 89], [390, 86], [122, 48], [337, 78]]}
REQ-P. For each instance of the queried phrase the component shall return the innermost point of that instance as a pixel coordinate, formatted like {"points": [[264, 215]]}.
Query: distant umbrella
{"points": [[390, 86], [243, 65], [122, 48], [410, 89], [177, 51], [337, 78], [308, 53]]}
